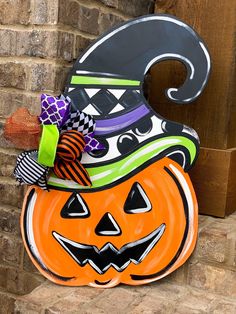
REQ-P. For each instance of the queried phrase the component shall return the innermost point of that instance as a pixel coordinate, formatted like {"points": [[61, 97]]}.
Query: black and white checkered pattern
{"points": [[81, 122], [104, 102], [29, 171]]}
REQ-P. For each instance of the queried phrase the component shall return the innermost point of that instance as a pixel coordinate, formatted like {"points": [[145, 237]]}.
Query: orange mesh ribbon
{"points": [[23, 129]]}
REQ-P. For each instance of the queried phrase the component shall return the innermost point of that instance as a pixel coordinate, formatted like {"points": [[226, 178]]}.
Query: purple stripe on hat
{"points": [[111, 125]]}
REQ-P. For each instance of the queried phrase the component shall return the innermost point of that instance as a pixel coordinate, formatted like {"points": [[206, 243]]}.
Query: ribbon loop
{"points": [[48, 145], [72, 170], [81, 122], [71, 145], [92, 143], [67, 166], [55, 110], [29, 171]]}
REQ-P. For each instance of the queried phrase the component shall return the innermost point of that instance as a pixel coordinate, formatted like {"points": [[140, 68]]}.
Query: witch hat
{"points": [[106, 82]]}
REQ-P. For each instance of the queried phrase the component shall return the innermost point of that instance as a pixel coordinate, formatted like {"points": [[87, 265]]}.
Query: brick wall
{"points": [[39, 41]]}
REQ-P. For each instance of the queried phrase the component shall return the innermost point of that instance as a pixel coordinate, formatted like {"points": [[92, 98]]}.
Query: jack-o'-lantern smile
{"points": [[89, 237], [109, 256]]}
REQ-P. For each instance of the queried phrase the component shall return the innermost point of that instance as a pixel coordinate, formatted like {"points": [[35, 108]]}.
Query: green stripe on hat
{"points": [[104, 175], [93, 80]]}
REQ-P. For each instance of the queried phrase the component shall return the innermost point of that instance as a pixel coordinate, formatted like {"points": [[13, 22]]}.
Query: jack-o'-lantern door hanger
{"points": [[124, 210]]}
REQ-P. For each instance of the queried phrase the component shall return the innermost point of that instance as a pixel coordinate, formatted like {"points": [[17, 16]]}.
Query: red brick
{"points": [[214, 243], [48, 77], [223, 307], [204, 221], [196, 300], [69, 12], [213, 279], [118, 301], [17, 281], [42, 77], [15, 12], [11, 250], [111, 3], [44, 12], [7, 163], [37, 43], [11, 193], [28, 264], [45, 44], [132, 7], [108, 20], [61, 74], [32, 102], [22, 307], [181, 309], [88, 20], [136, 7], [9, 220], [43, 296], [179, 276], [80, 44], [16, 100], [150, 305], [78, 16], [7, 97], [7, 303], [167, 290], [71, 303], [7, 42], [13, 74], [65, 46], [3, 142]]}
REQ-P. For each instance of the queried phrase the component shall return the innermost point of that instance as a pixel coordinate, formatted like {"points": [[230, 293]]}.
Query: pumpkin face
{"points": [[135, 232]]}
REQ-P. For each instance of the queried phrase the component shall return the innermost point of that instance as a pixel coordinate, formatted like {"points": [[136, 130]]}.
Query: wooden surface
{"points": [[231, 187], [214, 181], [213, 116]]}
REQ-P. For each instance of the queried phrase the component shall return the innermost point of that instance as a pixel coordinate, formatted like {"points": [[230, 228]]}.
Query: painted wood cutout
{"points": [[138, 221]]}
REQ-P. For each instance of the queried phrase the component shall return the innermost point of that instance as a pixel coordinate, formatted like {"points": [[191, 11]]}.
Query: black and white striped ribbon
{"points": [[29, 171]]}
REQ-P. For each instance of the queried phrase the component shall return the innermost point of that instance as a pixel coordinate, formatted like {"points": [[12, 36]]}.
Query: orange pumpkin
{"points": [[135, 232]]}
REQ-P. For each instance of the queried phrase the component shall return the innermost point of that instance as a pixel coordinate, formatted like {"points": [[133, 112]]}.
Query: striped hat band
{"points": [[112, 173]]}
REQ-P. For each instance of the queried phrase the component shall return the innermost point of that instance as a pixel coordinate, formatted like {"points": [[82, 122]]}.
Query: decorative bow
{"points": [[54, 110], [81, 122], [62, 152], [67, 166], [29, 171]]}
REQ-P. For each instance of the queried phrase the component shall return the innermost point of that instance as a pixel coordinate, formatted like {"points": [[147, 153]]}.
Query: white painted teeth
{"points": [[150, 241]]}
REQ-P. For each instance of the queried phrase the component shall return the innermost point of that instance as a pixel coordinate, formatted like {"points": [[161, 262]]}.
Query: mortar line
{"points": [[94, 4], [60, 27], [33, 60]]}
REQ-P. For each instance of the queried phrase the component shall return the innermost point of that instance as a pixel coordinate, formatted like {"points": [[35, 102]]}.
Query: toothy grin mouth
{"points": [[109, 256]]}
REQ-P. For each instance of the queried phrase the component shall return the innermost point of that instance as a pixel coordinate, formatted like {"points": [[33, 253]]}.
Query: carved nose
{"points": [[107, 226]]}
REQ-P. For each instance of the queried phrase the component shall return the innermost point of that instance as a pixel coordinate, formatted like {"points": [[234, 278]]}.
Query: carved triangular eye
{"points": [[75, 207], [137, 200]]}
